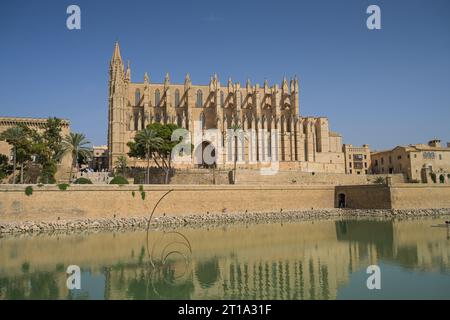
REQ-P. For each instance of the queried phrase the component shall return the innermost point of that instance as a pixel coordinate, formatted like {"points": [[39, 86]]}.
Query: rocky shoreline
{"points": [[210, 220]]}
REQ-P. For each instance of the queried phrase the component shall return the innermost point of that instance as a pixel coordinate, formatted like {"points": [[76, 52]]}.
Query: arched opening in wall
{"points": [[157, 97], [441, 178], [177, 97], [199, 100], [341, 200], [222, 99], [137, 97], [205, 155]]}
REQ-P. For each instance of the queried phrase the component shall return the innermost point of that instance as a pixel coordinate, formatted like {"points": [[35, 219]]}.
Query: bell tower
{"points": [[116, 107]]}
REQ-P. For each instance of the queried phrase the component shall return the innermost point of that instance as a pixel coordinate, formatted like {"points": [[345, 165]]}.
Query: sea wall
{"points": [[49, 203], [375, 196], [395, 196], [420, 196], [104, 201]]}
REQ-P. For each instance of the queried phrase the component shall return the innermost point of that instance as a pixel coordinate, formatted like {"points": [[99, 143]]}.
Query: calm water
{"points": [[303, 260]]}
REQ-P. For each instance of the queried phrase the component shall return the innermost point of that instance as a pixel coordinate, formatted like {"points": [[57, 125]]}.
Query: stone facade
{"points": [[427, 163], [37, 124], [267, 116], [99, 159], [357, 159]]}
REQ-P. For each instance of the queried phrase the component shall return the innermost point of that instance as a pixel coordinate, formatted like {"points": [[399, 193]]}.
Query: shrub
{"points": [[118, 180], [29, 190], [63, 186], [143, 195], [379, 180], [83, 181], [133, 194]]}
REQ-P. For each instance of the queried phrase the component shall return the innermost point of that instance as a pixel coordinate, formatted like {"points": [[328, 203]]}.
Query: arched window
{"points": [[222, 98], [157, 97], [137, 97], [199, 102], [177, 97]]}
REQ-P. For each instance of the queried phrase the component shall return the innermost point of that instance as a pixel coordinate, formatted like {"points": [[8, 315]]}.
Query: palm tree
{"points": [[149, 141], [14, 136], [121, 163], [75, 143]]}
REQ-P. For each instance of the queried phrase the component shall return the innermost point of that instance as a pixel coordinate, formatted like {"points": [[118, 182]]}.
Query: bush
{"points": [[29, 190], [48, 173], [63, 186], [379, 180], [83, 181], [118, 180]]}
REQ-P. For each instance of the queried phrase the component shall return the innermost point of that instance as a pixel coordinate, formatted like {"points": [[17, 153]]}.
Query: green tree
{"points": [[121, 164], [17, 138], [26, 149], [146, 144], [75, 144], [5, 167], [155, 142], [49, 149]]}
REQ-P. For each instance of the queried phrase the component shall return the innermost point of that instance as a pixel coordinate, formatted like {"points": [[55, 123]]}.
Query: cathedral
{"points": [[251, 125]]}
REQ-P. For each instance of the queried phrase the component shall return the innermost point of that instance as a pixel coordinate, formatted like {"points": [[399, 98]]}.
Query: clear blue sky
{"points": [[385, 87]]}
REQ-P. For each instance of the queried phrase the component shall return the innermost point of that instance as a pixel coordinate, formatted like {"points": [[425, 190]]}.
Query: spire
{"points": [[187, 79], [128, 72], [116, 55], [284, 85], [167, 78], [146, 78], [187, 82], [166, 81]]}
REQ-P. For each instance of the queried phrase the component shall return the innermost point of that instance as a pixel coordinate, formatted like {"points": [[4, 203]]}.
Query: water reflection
{"points": [[303, 260]]}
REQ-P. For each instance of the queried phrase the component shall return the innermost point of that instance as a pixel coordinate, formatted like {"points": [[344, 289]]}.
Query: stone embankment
{"points": [[209, 220]]}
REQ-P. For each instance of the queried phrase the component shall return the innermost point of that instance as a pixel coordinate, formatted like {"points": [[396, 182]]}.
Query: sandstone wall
{"points": [[254, 177], [422, 196], [364, 196], [98, 201], [302, 178], [396, 196]]}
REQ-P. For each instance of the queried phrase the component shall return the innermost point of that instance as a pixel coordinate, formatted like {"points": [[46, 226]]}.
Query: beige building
{"points": [[267, 116], [357, 159], [427, 163], [37, 124], [99, 159]]}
